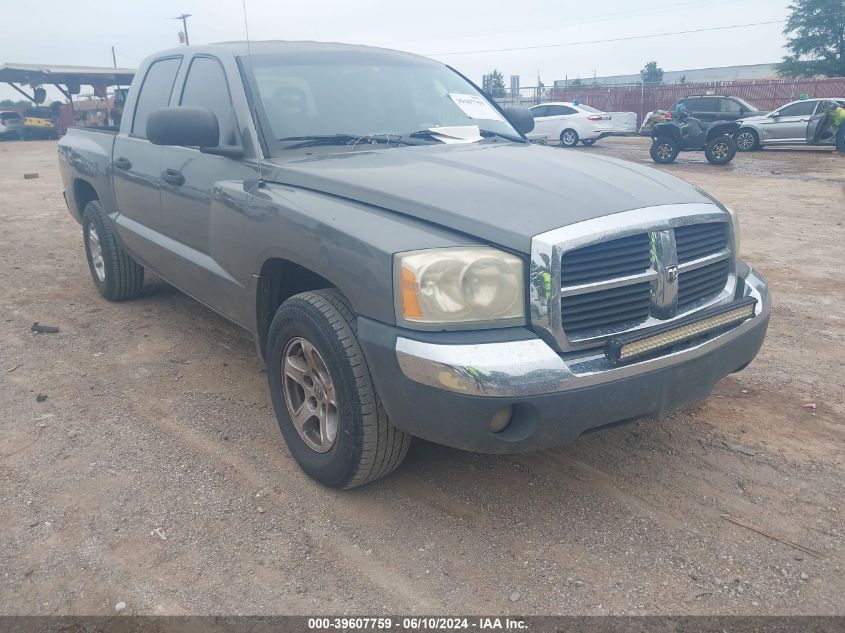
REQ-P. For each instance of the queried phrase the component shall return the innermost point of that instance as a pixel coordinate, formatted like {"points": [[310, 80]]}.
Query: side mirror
{"points": [[775, 115], [189, 127], [520, 117]]}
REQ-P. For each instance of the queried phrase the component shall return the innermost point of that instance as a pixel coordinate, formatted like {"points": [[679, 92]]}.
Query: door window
{"points": [[729, 106], [539, 111], [206, 87], [707, 104], [154, 92], [559, 110], [802, 108]]}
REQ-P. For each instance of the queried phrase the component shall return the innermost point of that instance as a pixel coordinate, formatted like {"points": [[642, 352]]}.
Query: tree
{"points": [[497, 84], [683, 79], [651, 73], [815, 35]]}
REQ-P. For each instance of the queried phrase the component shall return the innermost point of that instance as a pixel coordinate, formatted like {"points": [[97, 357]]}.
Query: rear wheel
{"points": [[116, 275], [664, 150], [720, 150], [747, 140], [569, 138], [325, 402]]}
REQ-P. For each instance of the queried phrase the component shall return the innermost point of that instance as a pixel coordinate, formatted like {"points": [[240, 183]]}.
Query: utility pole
{"points": [[184, 17]]}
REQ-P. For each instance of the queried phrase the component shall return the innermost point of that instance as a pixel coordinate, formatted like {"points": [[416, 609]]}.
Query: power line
{"points": [[642, 12], [607, 41]]}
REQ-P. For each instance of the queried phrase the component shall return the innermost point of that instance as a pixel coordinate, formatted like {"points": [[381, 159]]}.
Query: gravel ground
{"points": [[154, 473]]}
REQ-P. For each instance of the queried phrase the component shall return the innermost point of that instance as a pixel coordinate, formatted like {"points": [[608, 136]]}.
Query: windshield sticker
{"points": [[457, 134], [475, 106]]}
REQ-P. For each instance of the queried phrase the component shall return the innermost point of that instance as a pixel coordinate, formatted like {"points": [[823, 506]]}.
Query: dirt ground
{"points": [[154, 473]]}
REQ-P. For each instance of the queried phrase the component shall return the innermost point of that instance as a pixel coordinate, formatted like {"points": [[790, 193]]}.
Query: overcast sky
{"points": [[83, 31]]}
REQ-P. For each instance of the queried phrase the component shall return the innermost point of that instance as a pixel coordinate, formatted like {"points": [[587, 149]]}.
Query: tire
{"points": [[664, 151], [589, 143], [569, 138], [365, 445], [747, 140], [720, 150], [117, 276]]}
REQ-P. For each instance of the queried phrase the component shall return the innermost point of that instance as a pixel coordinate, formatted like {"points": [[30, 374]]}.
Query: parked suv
{"points": [[717, 108]]}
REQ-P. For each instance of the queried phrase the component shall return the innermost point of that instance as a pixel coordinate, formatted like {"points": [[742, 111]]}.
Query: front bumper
{"points": [[446, 390]]}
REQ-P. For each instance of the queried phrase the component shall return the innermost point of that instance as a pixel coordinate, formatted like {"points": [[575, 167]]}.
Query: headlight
{"points": [[735, 223], [470, 286]]}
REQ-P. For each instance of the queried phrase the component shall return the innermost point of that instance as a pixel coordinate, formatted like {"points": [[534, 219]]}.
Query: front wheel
{"points": [[664, 151], [569, 138], [720, 150], [325, 402], [747, 140]]}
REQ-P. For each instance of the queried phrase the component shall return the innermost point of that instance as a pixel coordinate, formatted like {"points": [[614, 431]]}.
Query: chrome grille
{"points": [[606, 260], [699, 240], [701, 283], [630, 270], [607, 308]]}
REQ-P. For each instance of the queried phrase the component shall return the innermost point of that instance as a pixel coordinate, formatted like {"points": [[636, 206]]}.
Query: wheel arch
{"points": [[83, 193], [279, 280]]}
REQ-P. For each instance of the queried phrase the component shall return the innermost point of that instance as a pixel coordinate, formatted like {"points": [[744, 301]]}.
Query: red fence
{"points": [[765, 95]]}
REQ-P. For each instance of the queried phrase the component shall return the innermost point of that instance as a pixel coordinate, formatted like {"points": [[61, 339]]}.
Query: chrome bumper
{"points": [[530, 367]]}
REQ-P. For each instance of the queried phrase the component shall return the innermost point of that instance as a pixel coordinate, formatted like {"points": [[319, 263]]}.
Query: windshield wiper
{"points": [[507, 137], [344, 139], [432, 133]]}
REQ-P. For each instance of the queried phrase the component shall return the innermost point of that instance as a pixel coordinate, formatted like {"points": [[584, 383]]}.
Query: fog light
{"points": [[500, 420]]}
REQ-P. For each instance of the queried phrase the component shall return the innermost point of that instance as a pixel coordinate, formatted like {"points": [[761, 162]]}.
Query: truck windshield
{"points": [[363, 94]]}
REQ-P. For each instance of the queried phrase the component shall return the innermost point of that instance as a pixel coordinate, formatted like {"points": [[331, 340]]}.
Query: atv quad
{"points": [[689, 134]]}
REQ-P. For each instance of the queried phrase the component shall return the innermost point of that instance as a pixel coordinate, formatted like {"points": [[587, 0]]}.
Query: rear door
{"points": [[557, 118], [136, 164], [706, 109]]}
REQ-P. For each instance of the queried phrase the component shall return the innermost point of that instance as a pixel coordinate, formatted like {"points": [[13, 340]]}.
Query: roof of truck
{"points": [[283, 47]]}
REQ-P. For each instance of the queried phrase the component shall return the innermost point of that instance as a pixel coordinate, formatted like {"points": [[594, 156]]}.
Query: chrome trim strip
{"points": [[545, 268], [530, 368], [617, 282], [704, 261]]}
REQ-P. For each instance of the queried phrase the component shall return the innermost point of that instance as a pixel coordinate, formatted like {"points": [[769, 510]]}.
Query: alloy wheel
{"points": [[310, 394], [745, 141], [96, 250]]}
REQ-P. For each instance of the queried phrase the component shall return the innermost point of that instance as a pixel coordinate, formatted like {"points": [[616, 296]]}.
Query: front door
{"points": [[789, 124], [202, 231], [136, 165], [819, 128]]}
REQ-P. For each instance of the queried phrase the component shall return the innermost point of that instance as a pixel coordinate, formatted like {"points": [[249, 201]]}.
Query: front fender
{"points": [[346, 242]]}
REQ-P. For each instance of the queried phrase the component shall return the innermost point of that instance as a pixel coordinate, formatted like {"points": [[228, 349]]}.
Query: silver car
{"points": [[787, 125]]}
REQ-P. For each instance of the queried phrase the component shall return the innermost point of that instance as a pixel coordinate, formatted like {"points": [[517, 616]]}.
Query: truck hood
{"points": [[501, 193]]}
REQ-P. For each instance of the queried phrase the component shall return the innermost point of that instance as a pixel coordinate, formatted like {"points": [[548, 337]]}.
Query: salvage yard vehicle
{"points": [[10, 126], [570, 123], [788, 125], [38, 123], [408, 263], [685, 133]]}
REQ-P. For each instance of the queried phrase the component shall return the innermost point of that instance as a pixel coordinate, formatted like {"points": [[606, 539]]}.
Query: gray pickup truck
{"points": [[408, 263]]}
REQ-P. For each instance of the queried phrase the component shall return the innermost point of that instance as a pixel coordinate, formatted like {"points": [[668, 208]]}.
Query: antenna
{"points": [[254, 96]]}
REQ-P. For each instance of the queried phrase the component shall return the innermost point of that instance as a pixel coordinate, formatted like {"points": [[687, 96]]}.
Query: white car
{"points": [[570, 123]]}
